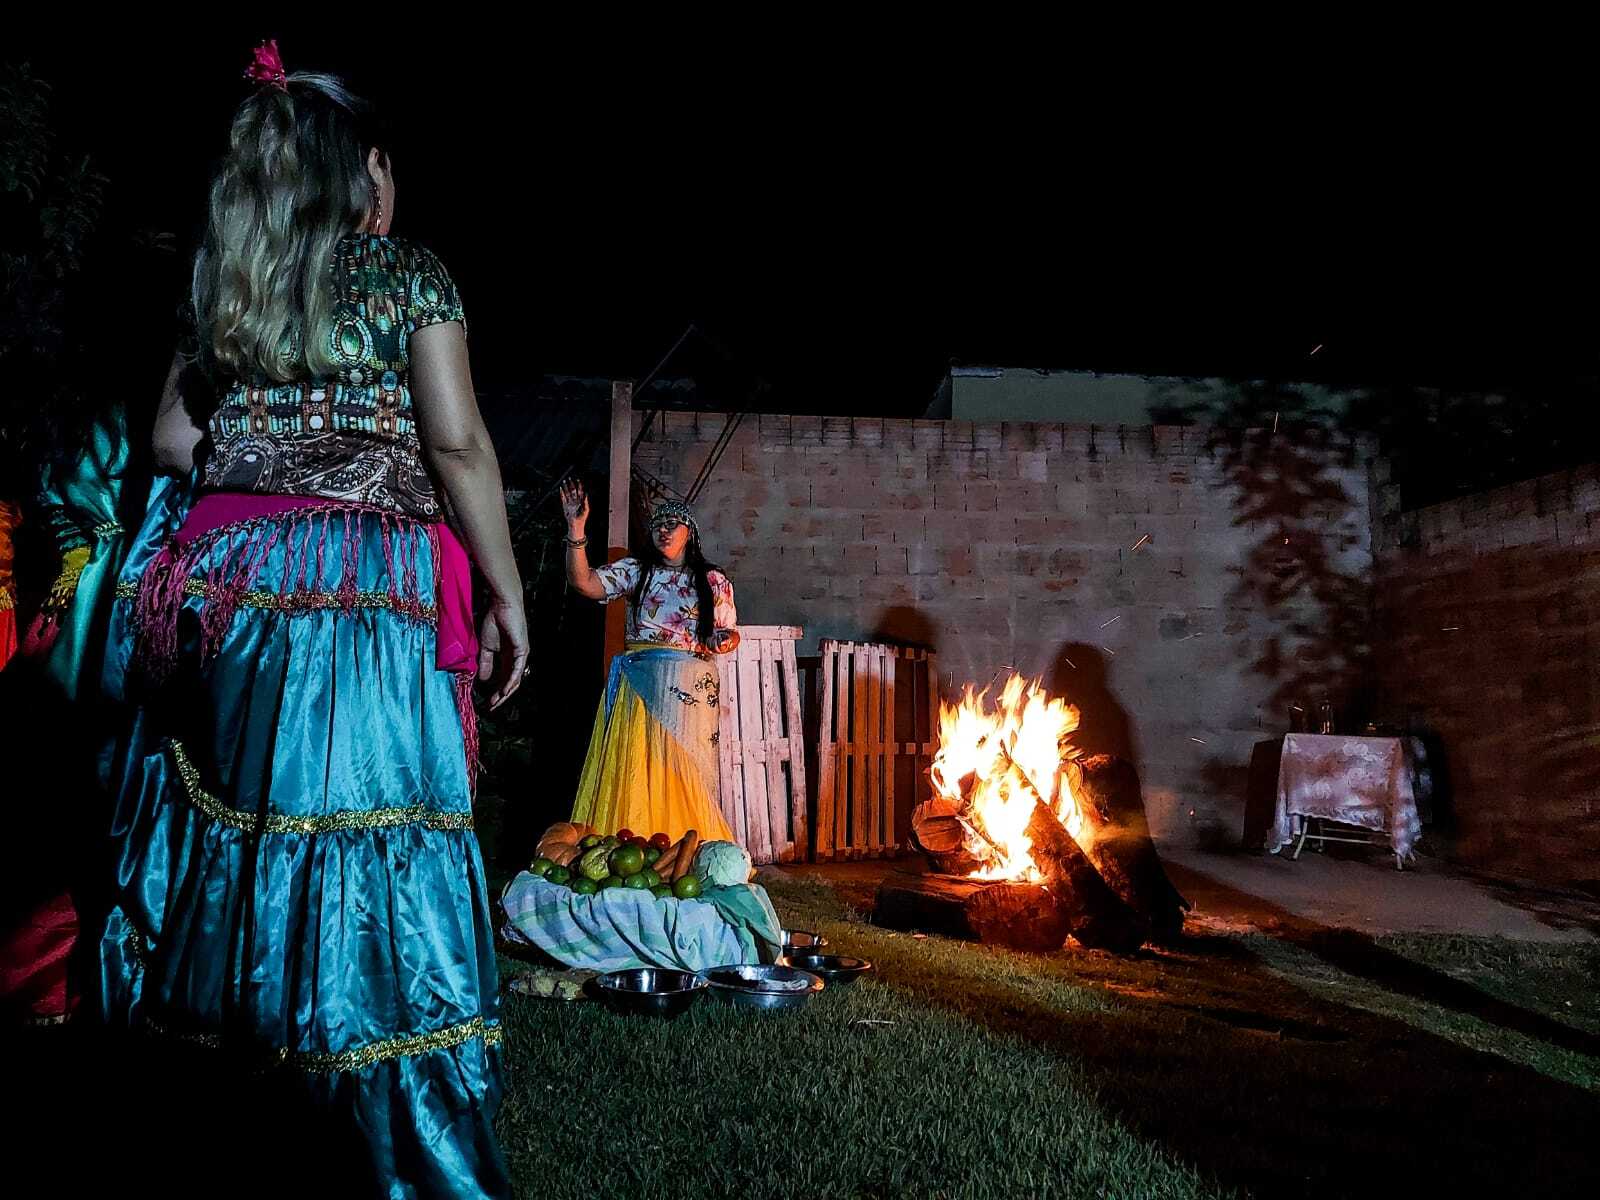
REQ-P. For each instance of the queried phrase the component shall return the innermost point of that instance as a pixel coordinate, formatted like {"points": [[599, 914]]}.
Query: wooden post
{"points": [[617, 510]]}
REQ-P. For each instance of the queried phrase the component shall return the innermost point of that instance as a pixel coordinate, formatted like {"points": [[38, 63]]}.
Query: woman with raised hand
{"points": [[652, 765]]}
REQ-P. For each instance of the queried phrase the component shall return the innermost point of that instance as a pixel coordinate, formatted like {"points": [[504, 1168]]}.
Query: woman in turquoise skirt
{"points": [[299, 887]]}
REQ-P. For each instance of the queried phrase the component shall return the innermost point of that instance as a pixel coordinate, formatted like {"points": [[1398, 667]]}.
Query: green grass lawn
{"points": [[1235, 1064]]}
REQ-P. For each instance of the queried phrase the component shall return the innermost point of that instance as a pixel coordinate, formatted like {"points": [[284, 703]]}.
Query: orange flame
{"points": [[996, 747]]}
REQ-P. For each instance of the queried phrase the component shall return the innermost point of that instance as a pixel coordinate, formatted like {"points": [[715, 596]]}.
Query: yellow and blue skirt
{"points": [[652, 764]]}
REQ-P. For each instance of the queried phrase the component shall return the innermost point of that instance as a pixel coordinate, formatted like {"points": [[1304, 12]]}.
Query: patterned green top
{"points": [[352, 437]]}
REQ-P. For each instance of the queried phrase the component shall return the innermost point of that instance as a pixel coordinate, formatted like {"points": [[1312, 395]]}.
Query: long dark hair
{"points": [[694, 561], [293, 183]]}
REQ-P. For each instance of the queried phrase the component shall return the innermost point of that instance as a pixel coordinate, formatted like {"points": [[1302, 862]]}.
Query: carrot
{"points": [[691, 843], [663, 865]]}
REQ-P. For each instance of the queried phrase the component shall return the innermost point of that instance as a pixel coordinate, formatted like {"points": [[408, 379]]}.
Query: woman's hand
{"points": [[725, 641], [503, 650], [574, 506]]}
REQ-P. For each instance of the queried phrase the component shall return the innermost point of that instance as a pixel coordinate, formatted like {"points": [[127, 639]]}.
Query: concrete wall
{"points": [[1489, 619], [1015, 545]]}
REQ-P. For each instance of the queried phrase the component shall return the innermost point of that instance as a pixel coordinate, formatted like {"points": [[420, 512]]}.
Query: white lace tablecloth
{"points": [[1364, 781]]}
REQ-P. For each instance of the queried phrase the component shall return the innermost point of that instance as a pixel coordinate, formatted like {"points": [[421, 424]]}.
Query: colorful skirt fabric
{"points": [[652, 763], [298, 880], [10, 518]]}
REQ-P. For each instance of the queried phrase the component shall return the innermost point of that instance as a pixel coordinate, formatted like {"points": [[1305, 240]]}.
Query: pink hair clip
{"points": [[267, 67]]}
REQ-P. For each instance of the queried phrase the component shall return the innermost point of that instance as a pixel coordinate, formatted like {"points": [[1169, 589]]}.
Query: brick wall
{"points": [[1489, 616], [1015, 545]]}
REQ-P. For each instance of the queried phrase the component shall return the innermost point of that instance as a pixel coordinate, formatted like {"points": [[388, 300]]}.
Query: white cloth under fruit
{"points": [[621, 928]]}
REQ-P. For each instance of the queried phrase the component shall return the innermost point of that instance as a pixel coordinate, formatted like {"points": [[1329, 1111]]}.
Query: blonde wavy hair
{"points": [[293, 182]]}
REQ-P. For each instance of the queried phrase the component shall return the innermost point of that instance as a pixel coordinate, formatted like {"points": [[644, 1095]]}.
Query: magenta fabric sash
{"points": [[457, 639]]}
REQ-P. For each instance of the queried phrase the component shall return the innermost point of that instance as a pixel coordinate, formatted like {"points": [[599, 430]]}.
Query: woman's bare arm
{"points": [[457, 447], [575, 507]]}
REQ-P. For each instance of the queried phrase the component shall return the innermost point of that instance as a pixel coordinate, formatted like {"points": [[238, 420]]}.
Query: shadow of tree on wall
{"points": [[1282, 453]]}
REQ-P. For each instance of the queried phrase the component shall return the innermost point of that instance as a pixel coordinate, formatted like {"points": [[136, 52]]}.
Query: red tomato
{"points": [[638, 841], [661, 841], [624, 835]]}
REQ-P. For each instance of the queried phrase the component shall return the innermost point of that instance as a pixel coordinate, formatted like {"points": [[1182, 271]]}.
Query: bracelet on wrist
{"points": [[575, 543]]}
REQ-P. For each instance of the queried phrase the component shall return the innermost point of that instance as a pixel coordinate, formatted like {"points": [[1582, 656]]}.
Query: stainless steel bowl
{"points": [[649, 990], [759, 985], [833, 968], [802, 941]]}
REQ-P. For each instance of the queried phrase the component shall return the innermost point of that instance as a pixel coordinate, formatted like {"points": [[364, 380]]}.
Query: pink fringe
{"points": [[156, 612], [245, 546], [469, 726]]}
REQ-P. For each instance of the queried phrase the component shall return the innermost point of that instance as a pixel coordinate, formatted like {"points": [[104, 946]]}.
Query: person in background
{"points": [[652, 765]]}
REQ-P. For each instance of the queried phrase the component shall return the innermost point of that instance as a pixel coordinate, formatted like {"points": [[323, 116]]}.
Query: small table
{"points": [[1357, 781]]}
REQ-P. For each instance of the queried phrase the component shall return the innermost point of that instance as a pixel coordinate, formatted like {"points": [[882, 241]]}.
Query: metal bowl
{"points": [[833, 968], [802, 941], [649, 990], [758, 985]]}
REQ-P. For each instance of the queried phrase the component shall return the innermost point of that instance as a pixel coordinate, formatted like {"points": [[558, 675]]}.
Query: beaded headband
{"points": [[674, 510]]}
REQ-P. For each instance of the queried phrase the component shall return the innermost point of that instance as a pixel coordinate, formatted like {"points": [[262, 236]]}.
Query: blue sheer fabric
{"points": [[680, 691], [297, 875]]}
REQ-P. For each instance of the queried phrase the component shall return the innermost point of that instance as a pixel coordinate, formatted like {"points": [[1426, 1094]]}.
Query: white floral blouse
{"points": [[670, 614]]}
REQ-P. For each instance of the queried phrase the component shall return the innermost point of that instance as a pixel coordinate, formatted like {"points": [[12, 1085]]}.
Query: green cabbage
{"points": [[722, 864], [593, 864]]}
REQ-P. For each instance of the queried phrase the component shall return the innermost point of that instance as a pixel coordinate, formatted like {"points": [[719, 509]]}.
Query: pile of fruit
{"points": [[577, 857]]}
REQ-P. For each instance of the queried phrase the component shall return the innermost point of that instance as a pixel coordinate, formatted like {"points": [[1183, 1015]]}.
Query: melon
{"points": [[561, 832], [560, 853]]}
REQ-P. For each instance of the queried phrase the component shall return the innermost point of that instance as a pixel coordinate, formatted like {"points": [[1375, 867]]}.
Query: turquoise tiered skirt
{"points": [[298, 881]]}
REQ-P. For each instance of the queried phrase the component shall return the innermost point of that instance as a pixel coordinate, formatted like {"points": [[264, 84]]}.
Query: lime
{"points": [[661, 892], [626, 860], [651, 879], [541, 866], [611, 881], [586, 887], [686, 888], [558, 875], [651, 854], [636, 882]]}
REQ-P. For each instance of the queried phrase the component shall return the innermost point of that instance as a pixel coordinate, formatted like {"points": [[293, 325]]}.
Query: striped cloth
{"points": [[620, 928]]}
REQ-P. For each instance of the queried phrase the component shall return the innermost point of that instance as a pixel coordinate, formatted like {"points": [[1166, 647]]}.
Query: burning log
{"points": [[1003, 812], [1021, 915], [1029, 916], [1096, 915], [1071, 899], [938, 830], [1111, 805]]}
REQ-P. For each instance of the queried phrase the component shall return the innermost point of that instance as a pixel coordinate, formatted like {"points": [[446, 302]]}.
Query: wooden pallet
{"points": [[860, 743], [758, 732]]}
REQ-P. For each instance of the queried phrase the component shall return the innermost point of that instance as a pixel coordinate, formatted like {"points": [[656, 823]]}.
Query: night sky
{"points": [[848, 209]]}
